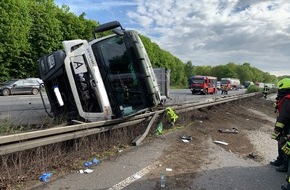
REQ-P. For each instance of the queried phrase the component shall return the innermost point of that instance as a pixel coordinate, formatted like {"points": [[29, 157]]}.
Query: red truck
{"points": [[202, 84]]}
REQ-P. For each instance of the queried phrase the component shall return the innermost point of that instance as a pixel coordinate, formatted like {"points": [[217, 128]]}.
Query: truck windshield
{"points": [[123, 81], [197, 80], [225, 82]]}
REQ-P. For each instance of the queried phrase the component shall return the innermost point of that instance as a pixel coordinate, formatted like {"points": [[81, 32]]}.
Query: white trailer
{"points": [[231, 83]]}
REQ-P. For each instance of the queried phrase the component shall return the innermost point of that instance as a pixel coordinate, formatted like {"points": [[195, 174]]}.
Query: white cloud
{"points": [[208, 32], [213, 32]]}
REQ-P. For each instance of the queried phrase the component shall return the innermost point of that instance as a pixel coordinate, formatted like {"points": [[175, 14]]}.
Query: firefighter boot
{"points": [[285, 186], [276, 163], [282, 168]]}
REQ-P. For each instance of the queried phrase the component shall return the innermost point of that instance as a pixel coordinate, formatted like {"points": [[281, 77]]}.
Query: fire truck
{"points": [[202, 84], [106, 78]]}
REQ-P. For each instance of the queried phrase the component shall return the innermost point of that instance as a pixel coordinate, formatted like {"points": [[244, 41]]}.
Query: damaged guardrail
{"points": [[24, 141]]}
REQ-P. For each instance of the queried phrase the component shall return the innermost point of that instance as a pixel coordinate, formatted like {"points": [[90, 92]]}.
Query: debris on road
{"points": [[221, 142], [233, 130], [86, 171], [171, 115], [186, 137], [81, 171], [44, 177], [185, 141], [90, 163], [96, 161], [137, 176], [168, 169], [159, 129], [252, 155]]}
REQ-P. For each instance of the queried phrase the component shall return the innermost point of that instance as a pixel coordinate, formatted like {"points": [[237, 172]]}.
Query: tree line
{"points": [[30, 29], [181, 72]]}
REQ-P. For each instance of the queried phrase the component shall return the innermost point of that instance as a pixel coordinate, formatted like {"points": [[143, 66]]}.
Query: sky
{"points": [[205, 32]]}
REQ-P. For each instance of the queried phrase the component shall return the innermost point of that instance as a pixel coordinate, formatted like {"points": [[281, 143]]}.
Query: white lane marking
{"points": [[131, 179]]}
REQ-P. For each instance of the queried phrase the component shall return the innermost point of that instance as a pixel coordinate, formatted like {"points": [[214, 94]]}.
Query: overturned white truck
{"points": [[106, 78]]}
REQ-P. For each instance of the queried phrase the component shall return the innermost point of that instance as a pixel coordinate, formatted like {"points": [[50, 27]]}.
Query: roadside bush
{"points": [[252, 88]]}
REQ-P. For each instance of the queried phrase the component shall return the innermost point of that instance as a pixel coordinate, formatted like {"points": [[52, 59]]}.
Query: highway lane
{"points": [[29, 109], [23, 110], [179, 96]]}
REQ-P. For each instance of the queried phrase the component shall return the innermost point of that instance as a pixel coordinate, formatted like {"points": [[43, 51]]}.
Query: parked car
{"points": [[21, 86]]}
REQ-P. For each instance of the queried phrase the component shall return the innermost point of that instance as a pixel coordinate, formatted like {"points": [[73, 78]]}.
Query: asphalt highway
{"points": [[29, 109]]}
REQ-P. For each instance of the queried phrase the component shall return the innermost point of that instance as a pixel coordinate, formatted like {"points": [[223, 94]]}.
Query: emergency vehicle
{"points": [[106, 78], [202, 84]]}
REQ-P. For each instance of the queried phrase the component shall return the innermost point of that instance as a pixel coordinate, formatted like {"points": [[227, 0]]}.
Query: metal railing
{"points": [[28, 140]]}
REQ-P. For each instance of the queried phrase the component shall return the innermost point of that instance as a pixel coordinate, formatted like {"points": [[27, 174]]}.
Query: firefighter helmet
{"points": [[284, 84]]}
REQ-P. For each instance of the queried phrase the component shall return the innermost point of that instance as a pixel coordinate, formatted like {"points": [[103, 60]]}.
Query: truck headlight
{"points": [[42, 66], [50, 61]]}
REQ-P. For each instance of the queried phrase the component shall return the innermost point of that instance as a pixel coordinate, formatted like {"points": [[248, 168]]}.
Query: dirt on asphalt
{"points": [[248, 118], [251, 118]]}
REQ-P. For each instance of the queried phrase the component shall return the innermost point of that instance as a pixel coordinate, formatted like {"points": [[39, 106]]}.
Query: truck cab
{"points": [[106, 78], [202, 84]]}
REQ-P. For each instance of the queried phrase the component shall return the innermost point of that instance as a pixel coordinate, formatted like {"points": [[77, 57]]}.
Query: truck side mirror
{"points": [[106, 27], [118, 31]]}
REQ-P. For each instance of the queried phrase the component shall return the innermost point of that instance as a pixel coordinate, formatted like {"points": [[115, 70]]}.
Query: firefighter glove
{"points": [[286, 148]]}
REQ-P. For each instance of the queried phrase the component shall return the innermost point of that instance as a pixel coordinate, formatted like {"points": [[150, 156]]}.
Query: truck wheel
{"points": [[6, 92], [34, 91], [192, 92]]}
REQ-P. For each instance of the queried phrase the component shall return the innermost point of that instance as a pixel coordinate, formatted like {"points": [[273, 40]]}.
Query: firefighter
{"points": [[281, 162], [227, 87], [222, 89], [265, 91], [282, 124]]}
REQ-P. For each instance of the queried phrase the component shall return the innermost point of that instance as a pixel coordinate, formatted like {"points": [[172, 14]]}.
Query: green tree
{"points": [[217, 71], [45, 34], [74, 27], [268, 78], [257, 75], [188, 69], [230, 71], [244, 73], [203, 70], [14, 30]]}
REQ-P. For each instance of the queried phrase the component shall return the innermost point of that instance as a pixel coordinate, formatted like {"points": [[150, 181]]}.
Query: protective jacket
{"points": [[283, 119], [266, 89]]}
